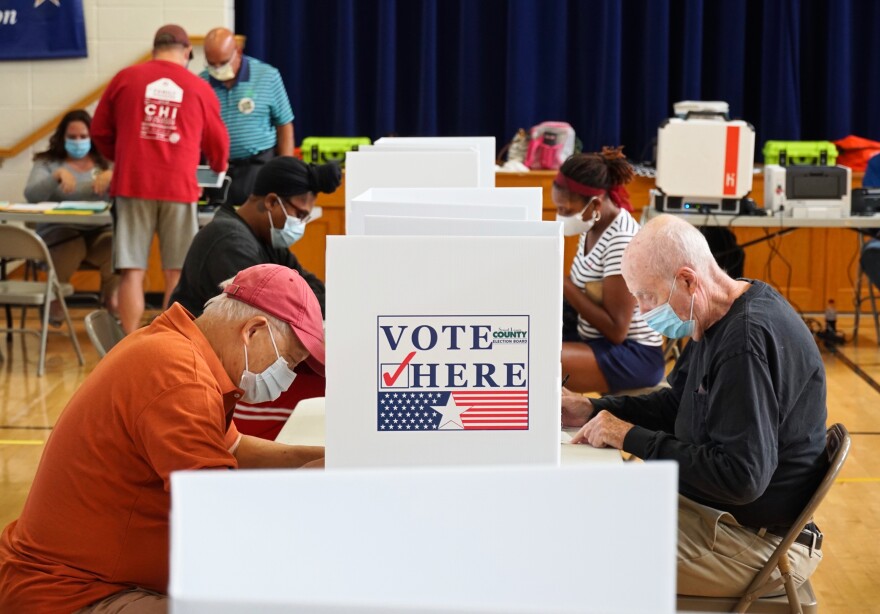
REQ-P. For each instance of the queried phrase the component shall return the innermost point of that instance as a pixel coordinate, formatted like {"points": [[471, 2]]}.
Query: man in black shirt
{"points": [[261, 231], [744, 416], [258, 232]]}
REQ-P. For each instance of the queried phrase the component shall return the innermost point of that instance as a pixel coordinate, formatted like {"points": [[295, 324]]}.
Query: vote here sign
{"points": [[448, 373]]}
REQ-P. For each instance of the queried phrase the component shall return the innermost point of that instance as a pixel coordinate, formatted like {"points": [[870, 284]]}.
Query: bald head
{"points": [[221, 48], [663, 246], [219, 40]]}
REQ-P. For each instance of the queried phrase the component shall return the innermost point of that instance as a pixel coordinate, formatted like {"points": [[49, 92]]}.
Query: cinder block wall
{"points": [[118, 32]]}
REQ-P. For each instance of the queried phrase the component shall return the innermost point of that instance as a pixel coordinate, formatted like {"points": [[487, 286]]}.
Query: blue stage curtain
{"points": [[795, 69]]}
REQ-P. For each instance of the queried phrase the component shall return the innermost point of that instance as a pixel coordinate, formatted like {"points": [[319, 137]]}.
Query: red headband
{"points": [[618, 194], [578, 188]]}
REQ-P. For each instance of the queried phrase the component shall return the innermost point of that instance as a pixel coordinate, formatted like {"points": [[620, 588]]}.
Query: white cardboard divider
{"points": [[443, 350], [358, 210], [485, 145], [402, 169], [451, 227], [531, 198], [595, 539]]}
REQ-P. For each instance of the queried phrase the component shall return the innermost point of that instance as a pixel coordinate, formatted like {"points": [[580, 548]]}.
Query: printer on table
{"points": [[808, 191]]}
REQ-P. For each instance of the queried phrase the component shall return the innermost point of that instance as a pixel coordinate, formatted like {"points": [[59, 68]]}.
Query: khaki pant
{"points": [[719, 558], [71, 247], [134, 601]]}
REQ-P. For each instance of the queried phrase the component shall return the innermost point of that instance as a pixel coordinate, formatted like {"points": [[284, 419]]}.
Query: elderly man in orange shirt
{"points": [[93, 535]]}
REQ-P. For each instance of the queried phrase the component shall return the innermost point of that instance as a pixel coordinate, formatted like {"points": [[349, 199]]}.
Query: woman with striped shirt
{"points": [[608, 347]]}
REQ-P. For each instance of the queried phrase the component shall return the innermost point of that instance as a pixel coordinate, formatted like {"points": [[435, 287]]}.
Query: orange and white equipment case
{"points": [[705, 157]]}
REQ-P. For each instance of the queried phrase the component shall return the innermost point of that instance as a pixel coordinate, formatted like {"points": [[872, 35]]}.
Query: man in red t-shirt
{"points": [[154, 121]]}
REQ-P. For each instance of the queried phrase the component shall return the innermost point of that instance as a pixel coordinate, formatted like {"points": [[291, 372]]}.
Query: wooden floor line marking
{"points": [[21, 442], [10, 427], [856, 480]]}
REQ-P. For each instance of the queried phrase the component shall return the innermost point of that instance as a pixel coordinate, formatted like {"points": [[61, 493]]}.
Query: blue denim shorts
{"points": [[628, 365]]}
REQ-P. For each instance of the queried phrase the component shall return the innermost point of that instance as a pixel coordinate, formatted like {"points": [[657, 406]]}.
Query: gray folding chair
{"points": [[22, 244], [103, 330], [796, 600]]}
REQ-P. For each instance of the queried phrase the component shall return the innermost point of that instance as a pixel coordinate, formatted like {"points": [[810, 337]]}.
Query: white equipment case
{"points": [[705, 157]]}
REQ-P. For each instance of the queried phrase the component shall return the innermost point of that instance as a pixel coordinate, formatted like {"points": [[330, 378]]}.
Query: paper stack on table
{"points": [[81, 206], [29, 207]]}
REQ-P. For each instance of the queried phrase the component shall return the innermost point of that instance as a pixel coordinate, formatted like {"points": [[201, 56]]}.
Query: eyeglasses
{"points": [[301, 215]]}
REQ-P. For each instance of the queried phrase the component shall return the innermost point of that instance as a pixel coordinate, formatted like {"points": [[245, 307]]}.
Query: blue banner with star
{"points": [[42, 29]]}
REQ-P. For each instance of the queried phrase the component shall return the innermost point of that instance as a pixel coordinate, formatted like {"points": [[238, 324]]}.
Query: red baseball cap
{"points": [[282, 292]]}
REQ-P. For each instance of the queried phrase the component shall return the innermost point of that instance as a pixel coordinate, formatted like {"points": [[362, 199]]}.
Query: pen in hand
{"points": [[565, 379]]}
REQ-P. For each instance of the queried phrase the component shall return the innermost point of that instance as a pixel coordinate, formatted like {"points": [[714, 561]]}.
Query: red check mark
{"points": [[390, 379]]}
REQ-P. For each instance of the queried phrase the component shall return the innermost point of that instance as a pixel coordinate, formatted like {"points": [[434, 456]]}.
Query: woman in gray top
{"points": [[72, 169]]}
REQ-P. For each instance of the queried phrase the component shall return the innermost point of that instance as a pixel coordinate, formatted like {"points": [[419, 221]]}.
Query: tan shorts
{"points": [[133, 601], [717, 557], [137, 220]]}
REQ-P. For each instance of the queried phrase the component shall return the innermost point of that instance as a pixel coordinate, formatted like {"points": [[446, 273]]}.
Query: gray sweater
{"points": [[41, 185]]}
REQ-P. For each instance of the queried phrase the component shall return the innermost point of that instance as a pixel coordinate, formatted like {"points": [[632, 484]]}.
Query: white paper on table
{"points": [[31, 207]]}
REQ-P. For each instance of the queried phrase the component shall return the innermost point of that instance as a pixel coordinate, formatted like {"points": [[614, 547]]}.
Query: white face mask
{"points": [[268, 385], [223, 73], [574, 224]]}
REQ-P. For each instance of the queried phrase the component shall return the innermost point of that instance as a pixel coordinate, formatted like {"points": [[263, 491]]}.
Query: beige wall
{"points": [[117, 33]]}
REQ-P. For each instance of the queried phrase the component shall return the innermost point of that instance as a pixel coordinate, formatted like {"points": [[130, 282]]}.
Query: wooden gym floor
{"points": [[846, 581]]}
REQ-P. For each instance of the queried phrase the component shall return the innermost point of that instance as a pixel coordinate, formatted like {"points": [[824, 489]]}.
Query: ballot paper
{"points": [[29, 207], [86, 206]]}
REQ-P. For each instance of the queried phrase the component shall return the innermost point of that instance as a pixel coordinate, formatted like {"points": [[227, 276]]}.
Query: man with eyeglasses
{"points": [[261, 231], [254, 106]]}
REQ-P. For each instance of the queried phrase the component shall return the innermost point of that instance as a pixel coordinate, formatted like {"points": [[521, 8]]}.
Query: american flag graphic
{"points": [[469, 410]]}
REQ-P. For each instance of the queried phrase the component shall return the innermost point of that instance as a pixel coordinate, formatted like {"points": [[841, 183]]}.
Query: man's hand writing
{"points": [[576, 409], [603, 431]]}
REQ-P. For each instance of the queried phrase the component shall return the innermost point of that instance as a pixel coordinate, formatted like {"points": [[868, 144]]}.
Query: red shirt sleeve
{"points": [[102, 132]]}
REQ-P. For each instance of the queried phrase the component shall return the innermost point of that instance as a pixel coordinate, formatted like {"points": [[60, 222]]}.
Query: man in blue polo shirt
{"points": [[254, 106]]}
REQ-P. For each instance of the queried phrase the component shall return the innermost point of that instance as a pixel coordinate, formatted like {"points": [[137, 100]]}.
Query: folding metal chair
{"points": [[796, 600], [103, 330], [22, 244]]}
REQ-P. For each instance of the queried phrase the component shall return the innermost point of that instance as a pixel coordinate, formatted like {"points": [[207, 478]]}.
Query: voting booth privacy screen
{"points": [[443, 350], [503, 204], [402, 169], [435, 226], [594, 538], [472, 203], [483, 145]]}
